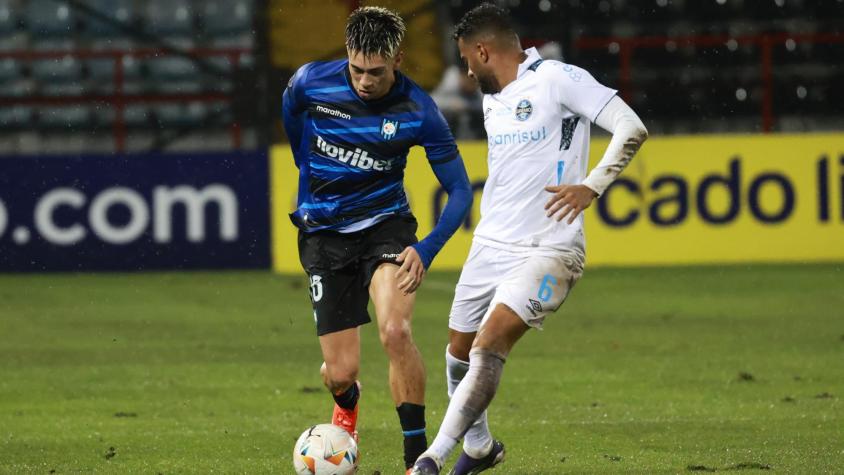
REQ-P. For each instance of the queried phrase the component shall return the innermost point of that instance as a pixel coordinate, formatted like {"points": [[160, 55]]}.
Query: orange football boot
{"points": [[347, 419]]}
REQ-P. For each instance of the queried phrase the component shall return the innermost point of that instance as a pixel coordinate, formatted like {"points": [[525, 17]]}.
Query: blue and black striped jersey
{"points": [[352, 153]]}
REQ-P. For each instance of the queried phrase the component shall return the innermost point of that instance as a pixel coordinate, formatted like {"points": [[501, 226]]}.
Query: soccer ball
{"points": [[325, 449]]}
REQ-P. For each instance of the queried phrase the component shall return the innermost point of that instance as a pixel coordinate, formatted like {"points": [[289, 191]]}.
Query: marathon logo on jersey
{"points": [[333, 112], [356, 158], [523, 110], [389, 128]]}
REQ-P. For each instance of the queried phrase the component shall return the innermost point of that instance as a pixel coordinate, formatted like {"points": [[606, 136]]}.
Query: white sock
{"points": [[469, 401], [478, 441]]}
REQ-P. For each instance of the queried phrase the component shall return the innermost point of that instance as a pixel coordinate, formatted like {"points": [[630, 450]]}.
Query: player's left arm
{"points": [[448, 167], [294, 105], [628, 134]]}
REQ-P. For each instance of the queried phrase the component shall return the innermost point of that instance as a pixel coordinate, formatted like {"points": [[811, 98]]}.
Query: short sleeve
{"points": [[435, 135], [576, 90]]}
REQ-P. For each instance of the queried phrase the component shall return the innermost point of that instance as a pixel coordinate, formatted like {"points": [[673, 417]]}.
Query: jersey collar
{"points": [[532, 57], [524, 66]]}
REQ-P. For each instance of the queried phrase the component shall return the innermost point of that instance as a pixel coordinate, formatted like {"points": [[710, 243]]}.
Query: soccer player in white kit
{"points": [[529, 248]]}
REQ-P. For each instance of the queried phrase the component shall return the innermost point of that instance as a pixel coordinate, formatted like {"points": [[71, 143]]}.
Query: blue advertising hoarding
{"points": [[134, 212]]}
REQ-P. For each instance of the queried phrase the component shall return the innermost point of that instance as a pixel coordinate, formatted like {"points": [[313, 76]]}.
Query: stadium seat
{"points": [[830, 53], [68, 118], [173, 75], [797, 95], [722, 56], [102, 114], [118, 11], [169, 18], [15, 117], [220, 112], [227, 17], [134, 115], [603, 65], [10, 69], [12, 43], [171, 67], [50, 19], [767, 11], [180, 115], [799, 53], [228, 23], [833, 9], [137, 115], [102, 69], [58, 76], [834, 92], [703, 12], [222, 82], [8, 18], [662, 58], [66, 68], [20, 87], [101, 75]]}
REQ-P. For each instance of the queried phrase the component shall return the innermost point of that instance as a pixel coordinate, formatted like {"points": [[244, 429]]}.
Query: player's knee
{"points": [[459, 348], [491, 343], [339, 377], [396, 336]]}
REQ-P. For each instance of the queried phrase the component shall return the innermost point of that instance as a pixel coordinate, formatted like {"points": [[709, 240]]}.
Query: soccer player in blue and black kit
{"points": [[351, 124]]}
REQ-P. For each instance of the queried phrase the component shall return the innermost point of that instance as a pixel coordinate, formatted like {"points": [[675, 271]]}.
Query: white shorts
{"points": [[532, 284]]}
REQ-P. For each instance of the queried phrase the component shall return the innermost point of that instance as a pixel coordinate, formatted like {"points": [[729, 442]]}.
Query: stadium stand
{"points": [[186, 69], [116, 69], [702, 66]]}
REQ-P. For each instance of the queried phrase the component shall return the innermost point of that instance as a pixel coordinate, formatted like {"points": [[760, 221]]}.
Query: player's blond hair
{"points": [[375, 31]]}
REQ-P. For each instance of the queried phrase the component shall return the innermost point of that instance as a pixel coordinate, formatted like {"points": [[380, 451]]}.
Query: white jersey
{"points": [[538, 133]]}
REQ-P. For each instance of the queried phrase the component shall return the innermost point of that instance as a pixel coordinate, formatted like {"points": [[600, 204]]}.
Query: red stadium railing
{"points": [[119, 99], [766, 43]]}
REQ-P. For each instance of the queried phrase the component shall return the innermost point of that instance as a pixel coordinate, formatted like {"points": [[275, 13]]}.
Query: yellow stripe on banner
{"points": [[683, 200], [284, 182]]}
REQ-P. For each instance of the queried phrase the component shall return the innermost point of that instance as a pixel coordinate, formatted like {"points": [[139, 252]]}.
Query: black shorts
{"points": [[340, 267]]}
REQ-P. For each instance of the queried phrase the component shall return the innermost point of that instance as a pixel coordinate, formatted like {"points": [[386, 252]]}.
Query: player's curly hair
{"points": [[485, 18], [375, 31]]}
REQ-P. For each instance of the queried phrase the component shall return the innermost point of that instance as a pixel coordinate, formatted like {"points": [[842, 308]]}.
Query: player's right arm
{"points": [[628, 134], [578, 91], [294, 107]]}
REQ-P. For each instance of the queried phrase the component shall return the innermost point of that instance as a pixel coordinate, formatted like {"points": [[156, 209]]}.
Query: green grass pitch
{"points": [[679, 370]]}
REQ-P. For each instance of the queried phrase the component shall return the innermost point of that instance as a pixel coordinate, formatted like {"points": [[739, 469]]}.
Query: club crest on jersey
{"points": [[523, 110], [389, 128]]}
